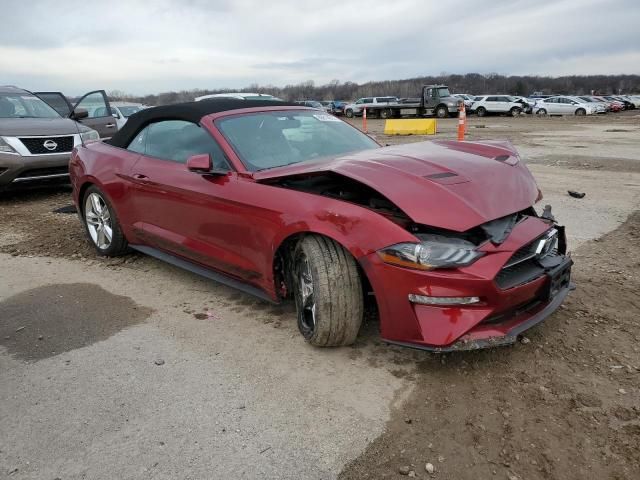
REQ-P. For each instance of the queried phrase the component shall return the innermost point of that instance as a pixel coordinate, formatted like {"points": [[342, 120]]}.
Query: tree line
{"points": [[472, 83]]}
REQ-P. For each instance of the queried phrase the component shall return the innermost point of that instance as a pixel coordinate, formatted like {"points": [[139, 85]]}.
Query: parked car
{"points": [[239, 96], [564, 105], [311, 103], [467, 99], [336, 107], [600, 107], [612, 106], [35, 141], [96, 103], [526, 104], [121, 111], [618, 104], [628, 104], [281, 200], [356, 108], [501, 104]]}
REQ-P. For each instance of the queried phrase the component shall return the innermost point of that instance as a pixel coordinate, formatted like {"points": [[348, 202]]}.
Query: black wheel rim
{"points": [[306, 304]]}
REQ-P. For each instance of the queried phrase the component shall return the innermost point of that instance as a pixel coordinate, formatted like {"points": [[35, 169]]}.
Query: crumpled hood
{"points": [[446, 184], [14, 127]]}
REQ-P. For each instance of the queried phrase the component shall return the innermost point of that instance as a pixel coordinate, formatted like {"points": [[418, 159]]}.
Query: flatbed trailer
{"points": [[434, 101]]}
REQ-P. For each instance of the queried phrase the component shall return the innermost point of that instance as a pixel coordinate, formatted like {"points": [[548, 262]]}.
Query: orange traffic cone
{"points": [[462, 119]]}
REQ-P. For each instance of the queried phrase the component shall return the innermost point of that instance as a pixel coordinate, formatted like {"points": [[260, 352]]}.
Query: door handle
{"points": [[139, 176], [110, 125]]}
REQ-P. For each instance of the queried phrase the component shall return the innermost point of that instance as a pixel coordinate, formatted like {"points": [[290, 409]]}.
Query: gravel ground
{"points": [[130, 368]]}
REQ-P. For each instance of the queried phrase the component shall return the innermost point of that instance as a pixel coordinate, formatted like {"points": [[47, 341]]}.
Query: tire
{"points": [[386, 113], [515, 111], [542, 112], [581, 111], [98, 217], [442, 111], [327, 292], [481, 111], [348, 113]]}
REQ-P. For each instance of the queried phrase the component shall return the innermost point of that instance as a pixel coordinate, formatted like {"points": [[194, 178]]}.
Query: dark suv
{"points": [[35, 140]]}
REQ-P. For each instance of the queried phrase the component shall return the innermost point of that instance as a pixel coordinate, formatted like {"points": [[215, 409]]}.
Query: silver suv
{"points": [[35, 140]]}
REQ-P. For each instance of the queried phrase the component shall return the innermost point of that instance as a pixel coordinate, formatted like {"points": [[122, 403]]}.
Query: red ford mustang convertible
{"points": [[281, 200]]}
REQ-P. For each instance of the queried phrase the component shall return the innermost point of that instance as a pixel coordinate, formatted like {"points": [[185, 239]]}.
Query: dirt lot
{"points": [[130, 368]]}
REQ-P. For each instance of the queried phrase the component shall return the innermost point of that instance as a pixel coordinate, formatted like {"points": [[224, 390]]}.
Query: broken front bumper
{"points": [[503, 309]]}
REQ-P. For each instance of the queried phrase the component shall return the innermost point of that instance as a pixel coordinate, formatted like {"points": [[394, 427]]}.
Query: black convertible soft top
{"points": [[189, 111]]}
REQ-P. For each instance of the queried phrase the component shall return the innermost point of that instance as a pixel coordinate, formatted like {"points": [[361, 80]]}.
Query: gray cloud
{"points": [[144, 47]]}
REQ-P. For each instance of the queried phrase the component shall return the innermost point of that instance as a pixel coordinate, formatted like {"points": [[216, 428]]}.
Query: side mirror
{"points": [[115, 115], [201, 163], [79, 114]]}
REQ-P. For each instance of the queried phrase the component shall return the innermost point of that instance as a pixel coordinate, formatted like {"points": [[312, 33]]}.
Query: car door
{"points": [[185, 213], [491, 104], [100, 116], [552, 106], [57, 101]]}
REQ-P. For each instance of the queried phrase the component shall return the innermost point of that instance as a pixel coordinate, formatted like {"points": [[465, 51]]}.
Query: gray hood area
{"points": [[14, 127]]}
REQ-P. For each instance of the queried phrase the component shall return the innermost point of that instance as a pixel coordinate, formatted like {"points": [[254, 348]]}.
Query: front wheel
{"points": [[349, 113], [101, 224], [386, 113], [542, 112], [515, 111], [442, 112], [581, 111], [327, 291]]}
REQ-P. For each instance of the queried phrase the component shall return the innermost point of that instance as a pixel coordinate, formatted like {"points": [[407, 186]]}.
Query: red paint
{"points": [[234, 223]]}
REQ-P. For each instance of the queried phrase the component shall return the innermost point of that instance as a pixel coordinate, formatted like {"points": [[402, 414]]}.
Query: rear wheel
{"points": [[386, 113], [101, 224], [442, 111], [327, 291], [481, 111], [581, 111], [349, 113]]}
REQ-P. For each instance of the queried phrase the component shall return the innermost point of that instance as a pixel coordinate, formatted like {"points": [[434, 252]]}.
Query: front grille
{"points": [[43, 172], [524, 265], [37, 146]]}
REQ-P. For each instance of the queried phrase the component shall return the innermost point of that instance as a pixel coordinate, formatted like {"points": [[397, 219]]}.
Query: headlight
{"points": [[89, 136], [5, 147], [435, 251]]}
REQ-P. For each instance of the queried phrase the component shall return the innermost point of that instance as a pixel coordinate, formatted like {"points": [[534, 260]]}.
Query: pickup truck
{"points": [[435, 100]]}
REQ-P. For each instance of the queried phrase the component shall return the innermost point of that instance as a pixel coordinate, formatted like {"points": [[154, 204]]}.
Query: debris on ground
{"points": [[575, 194]]}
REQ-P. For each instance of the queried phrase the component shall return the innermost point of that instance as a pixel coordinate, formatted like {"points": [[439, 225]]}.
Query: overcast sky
{"points": [[161, 45]]}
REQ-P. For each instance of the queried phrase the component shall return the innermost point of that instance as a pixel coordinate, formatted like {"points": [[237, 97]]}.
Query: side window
{"points": [[94, 104], [492, 99], [139, 143], [177, 140], [360, 101], [367, 100], [478, 99]]}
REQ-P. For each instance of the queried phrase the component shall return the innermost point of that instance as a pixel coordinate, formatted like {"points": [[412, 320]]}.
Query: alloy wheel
{"points": [[98, 219]]}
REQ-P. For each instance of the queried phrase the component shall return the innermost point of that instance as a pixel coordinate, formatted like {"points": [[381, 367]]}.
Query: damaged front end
{"points": [[499, 279]]}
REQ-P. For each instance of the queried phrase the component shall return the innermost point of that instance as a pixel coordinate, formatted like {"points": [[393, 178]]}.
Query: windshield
{"points": [[24, 105], [443, 92], [273, 139], [129, 110]]}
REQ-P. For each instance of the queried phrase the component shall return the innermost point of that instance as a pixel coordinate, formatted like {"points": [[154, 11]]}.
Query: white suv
{"points": [[485, 104], [355, 109]]}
